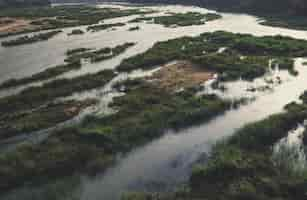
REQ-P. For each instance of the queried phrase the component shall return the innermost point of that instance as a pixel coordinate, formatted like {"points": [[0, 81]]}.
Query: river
{"points": [[166, 162]]}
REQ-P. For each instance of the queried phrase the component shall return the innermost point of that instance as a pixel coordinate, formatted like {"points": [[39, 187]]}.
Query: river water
{"points": [[165, 162]]}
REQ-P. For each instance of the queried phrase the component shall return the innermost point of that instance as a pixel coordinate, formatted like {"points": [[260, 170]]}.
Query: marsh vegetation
{"points": [[30, 39], [44, 18], [245, 56], [180, 19]]}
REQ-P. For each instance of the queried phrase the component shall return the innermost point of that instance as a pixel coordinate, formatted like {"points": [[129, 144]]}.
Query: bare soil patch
{"points": [[180, 74]]}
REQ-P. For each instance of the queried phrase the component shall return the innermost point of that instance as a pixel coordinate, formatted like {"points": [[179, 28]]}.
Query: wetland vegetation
{"points": [[143, 113], [75, 55], [134, 28], [180, 19], [73, 60], [46, 74], [101, 27], [36, 96], [30, 39], [242, 166], [244, 55], [44, 18], [76, 32]]}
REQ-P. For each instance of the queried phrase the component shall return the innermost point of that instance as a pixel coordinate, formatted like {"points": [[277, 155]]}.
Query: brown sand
{"points": [[180, 74]]}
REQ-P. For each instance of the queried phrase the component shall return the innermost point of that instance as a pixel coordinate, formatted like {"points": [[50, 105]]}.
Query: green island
{"points": [[36, 96], [30, 39], [76, 32], [180, 19], [16, 123], [46, 18], [70, 52], [18, 111], [134, 28], [101, 27], [75, 55], [73, 60], [246, 56], [285, 21], [48, 73], [143, 113], [149, 107], [243, 166]]}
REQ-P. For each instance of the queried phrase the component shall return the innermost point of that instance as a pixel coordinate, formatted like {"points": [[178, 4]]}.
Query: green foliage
{"points": [[101, 27], [180, 19], [66, 16], [36, 96], [76, 32], [13, 124], [48, 73], [75, 55], [146, 111], [61, 155], [30, 39], [241, 167], [135, 28], [246, 56]]}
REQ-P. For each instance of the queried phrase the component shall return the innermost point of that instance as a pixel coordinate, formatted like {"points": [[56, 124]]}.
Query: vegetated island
{"points": [[73, 60], [245, 166], [76, 32], [46, 74], [279, 13], [180, 19], [285, 21], [99, 55], [30, 39], [134, 28], [101, 27], [149, 107], [245, 56], [16, 117], [31, 19]]}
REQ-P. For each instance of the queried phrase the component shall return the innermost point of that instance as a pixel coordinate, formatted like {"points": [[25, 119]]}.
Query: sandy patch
{"points": [[180, 74]]}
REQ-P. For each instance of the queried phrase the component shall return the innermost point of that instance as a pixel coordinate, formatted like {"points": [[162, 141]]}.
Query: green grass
{"points": [[75, 55], [101, 27], [46, 74], [66, 16], [246, 56], [30, 39], [143, 114], [180, 19], [36, 96]]}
